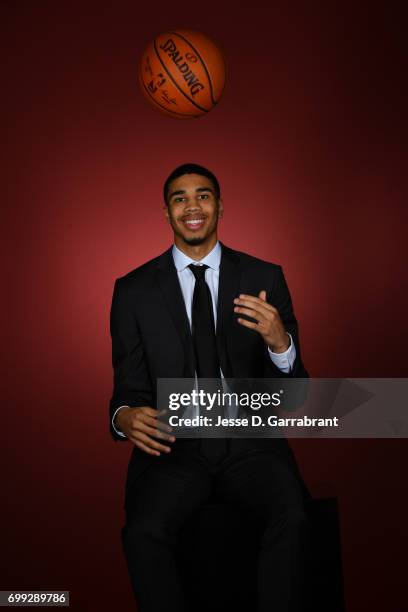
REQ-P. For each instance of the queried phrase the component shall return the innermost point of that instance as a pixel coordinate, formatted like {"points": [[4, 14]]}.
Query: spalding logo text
{"points": [[192, 81]]}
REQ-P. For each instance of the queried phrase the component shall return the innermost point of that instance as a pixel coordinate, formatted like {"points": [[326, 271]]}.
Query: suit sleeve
{"points": [[131, 380], [280, 298]]}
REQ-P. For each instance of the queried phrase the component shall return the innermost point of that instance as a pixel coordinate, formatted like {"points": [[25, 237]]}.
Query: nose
{"points": [[192, 205]]}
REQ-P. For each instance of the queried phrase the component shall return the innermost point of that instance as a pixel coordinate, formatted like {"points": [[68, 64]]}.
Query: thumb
{"points": [[262, 295]]}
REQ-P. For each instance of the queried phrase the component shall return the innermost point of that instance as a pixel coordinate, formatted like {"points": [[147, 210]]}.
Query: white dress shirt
{"points": [[284, 361]]}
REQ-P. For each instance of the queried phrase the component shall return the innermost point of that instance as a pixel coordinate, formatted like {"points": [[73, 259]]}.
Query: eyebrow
{"points": [[199, 190]]}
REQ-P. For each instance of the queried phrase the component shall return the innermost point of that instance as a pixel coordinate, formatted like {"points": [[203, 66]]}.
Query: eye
{"points": [[204, 196], [179, 199]]}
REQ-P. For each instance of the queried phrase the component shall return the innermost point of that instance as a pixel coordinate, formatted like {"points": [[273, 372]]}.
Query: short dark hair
{"points": [[190, 169]]}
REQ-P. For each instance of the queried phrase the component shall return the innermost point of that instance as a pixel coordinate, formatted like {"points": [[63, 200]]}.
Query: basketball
{"points": [[182, 74]]}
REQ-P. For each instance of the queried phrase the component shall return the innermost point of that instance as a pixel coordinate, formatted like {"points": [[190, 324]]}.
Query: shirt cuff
{"points": [[284, 361], [120, 433]]}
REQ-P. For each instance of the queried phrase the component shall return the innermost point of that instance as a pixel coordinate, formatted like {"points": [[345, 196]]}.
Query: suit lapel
{"points": [[228, 287], [168, 281], [230, 274]]}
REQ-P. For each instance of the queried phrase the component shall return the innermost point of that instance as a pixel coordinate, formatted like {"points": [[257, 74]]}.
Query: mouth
{"points": [[193, 223]]}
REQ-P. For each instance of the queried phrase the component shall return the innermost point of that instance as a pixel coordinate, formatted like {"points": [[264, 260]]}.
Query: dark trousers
{"points": [[173, 485]]}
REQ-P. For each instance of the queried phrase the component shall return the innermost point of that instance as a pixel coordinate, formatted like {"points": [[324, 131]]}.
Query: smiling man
{"points": [[203, 309], [193, 209]]}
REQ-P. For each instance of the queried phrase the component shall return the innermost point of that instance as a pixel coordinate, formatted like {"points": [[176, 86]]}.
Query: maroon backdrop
{"points": [[308, 146]]}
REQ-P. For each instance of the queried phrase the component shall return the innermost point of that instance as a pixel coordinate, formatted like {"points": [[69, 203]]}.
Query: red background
{"points": [[308, 146]]}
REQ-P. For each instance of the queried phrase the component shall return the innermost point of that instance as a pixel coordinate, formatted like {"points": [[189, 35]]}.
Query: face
{"points": [[193, 209]]}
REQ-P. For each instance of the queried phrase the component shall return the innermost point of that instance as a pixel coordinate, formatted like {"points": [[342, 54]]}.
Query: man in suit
{"points": [[202, 309]]}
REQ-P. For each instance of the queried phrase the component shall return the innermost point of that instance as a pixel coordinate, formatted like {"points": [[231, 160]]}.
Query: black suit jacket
{"points": [[151, 335]]}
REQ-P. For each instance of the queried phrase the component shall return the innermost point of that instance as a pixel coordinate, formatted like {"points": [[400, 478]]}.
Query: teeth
{"points": [[194, 221]]}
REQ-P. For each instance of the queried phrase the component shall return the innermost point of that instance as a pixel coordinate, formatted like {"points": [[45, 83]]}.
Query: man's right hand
{"points": [[141, 426]]}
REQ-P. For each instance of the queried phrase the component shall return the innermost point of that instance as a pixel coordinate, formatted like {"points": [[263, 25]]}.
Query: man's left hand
{"points": [[269, 324]]}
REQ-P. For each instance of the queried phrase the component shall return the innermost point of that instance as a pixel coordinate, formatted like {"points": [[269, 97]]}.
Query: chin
{"points": [[194, 240]]}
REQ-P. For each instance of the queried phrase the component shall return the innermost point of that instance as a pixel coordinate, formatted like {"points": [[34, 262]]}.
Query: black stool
{"points": [[218, 568]]}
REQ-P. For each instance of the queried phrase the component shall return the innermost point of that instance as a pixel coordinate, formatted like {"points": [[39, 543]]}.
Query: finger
{"points": [[156, 433], [159, 425], [263, 307], [248, 324], [250, 312], [149, 411], [257, 303], [152, 431], [162, 412], [262, 295], [142, 437], [153, 413], [153, 422], [145, 448], [162, 419]]}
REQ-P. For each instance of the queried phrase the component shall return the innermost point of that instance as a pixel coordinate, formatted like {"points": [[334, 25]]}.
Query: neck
{"points": [[196, 251]]}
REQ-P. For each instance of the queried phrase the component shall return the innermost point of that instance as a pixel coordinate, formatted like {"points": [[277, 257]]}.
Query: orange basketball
{"points": [[182, 74]]}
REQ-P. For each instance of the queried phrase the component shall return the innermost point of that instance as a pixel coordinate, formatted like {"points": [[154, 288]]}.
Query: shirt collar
{"points": [[212, 259]]}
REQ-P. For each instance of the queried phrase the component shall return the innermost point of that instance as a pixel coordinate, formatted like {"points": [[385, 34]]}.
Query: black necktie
{"points": [[206, 353]]}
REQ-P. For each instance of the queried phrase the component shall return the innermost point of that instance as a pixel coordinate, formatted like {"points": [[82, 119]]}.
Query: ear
{"points": [[220, 209], [166, 212]]}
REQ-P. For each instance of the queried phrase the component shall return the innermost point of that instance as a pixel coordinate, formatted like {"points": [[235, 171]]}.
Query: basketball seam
{"points": [[166, 109], [180, 90], [203, 63]]}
